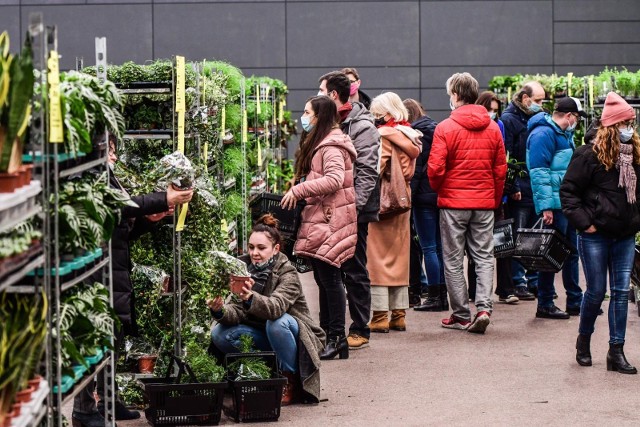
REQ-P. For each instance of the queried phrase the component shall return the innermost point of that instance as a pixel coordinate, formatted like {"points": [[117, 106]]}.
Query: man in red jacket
{"points": [[467, 168]]}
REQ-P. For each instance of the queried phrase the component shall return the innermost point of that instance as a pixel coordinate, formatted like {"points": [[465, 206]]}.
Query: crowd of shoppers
{"points": [[370, 173]]}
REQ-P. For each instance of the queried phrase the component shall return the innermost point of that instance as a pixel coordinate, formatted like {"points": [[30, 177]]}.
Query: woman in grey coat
{"points": [[273, 310]]}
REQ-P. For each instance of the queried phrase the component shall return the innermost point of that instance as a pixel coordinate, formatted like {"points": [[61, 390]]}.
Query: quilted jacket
{"points": [[549, 150], [467, 165], [328, 229]]}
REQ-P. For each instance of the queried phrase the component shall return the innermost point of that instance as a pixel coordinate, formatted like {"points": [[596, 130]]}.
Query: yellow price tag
{"points": [[223, 120], [591, 95], [180, 82], [569, 79], [259, 153], [205, 152], [245, 127], [258, 107], [509, 94], [56, 130], [182, 217], [281, 112], [181, 131], [223, 226]]}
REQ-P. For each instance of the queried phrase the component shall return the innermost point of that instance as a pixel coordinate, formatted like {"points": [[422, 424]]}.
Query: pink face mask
{"points": [[354, 88]]}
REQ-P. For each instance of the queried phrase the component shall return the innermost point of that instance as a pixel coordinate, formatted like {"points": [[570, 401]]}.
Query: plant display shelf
{"points": [[7, 285], [86, 379], [19, 206], [33, 412]]}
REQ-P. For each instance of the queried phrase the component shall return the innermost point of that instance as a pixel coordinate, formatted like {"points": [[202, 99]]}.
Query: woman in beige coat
{"points": [[388, 241]]}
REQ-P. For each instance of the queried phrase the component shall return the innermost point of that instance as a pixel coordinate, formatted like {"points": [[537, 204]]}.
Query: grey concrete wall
{"points": [[410, 47]]}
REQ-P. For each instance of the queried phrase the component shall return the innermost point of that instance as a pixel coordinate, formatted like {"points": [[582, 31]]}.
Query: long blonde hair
{"points": [[606, 145]]}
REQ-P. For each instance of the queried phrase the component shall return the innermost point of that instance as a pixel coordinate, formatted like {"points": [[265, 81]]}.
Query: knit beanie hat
{"points": [[616, 110]]}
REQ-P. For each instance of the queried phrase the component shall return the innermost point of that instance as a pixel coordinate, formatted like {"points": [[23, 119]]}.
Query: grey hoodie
{"points": [[359, 125]]}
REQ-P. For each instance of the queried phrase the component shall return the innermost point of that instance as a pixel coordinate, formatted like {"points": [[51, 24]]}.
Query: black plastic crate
{"points": [[504, 238], [542, 249], [268, 202], [256, 400], [168, 402]]}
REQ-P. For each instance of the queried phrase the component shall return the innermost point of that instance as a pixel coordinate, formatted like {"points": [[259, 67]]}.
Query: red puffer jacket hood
{"points": [[472, 117]]}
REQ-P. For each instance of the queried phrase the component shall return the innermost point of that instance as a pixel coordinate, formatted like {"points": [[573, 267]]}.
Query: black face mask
{"points": [[379, 122]]}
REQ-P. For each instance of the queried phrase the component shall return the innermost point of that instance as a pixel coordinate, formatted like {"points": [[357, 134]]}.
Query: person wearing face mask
{"points": [[525, 104], [599, 195], [273, 310], [355, 94], [328, 223], [549, 148], [357, 122], [467, 167]]}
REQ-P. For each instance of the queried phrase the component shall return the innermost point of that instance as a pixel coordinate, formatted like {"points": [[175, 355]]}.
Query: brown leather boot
{"points": [[397, 320], [291, 390], [379, 322]]}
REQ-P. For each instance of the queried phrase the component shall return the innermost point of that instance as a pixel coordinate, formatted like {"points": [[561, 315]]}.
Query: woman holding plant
{"points": [[272, 309], [328, 229]]}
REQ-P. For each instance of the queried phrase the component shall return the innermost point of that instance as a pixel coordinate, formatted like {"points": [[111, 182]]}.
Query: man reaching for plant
{"points": [[135, 221]]}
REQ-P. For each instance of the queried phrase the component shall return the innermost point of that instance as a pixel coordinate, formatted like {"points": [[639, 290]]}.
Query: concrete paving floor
{"points": [[521, 372]]}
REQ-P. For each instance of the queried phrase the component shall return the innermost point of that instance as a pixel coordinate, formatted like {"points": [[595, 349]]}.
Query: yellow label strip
{"points": [[56, 130], [182, 217]]}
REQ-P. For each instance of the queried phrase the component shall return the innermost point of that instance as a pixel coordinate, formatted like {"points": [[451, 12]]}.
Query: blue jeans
{"points": [[427, 224], [570, 269], [281, 336], [600, 254], [525, 217]]}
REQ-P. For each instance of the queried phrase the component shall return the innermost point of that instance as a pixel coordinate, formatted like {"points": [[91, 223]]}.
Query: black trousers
{"points": [[356, 279], [332, 297]]}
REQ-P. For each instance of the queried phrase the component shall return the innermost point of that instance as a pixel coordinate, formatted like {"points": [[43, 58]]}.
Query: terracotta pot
{"points": [[9, 182], [28, 169], [237, 283], [35, 382], [147, 363], [25, 395], [16, 409]]}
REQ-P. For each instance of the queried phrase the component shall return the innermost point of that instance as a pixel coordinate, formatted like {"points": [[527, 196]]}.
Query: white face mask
{"points": [[492, 115], [626, 134]]}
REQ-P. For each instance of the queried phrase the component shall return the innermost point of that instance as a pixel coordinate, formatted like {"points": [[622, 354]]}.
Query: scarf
{"points": [[344, 111], [392, 123], [627, 174], [260, 274]]}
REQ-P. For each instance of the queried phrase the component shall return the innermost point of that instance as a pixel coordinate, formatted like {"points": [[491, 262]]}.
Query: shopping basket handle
{"points": [[539, 221]]}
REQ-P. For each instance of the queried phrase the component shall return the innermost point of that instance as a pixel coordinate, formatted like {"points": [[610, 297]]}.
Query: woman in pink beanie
{"points": [[599, 196]]}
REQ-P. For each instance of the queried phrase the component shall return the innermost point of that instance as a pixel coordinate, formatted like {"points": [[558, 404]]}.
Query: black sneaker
{"points": [[523, 294], [573, 310], [509, 299], [552, 312], [122, 413]]}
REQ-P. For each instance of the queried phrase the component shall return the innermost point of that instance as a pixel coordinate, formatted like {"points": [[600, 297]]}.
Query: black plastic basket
{"points": [[268, 202], [301, 264], [542, 249], [504, 238], [256, 400], [168, 402]]}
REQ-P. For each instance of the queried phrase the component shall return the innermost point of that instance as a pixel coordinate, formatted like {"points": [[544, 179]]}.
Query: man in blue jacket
{"points": [[525, 104], [549, 150]]}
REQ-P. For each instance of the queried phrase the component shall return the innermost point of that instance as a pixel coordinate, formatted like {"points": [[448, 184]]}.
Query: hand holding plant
{"points": [[215, 304], [178, 197]]}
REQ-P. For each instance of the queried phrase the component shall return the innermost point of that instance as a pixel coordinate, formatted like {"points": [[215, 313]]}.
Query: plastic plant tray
{"points": [[65, 385], [92, 360]]}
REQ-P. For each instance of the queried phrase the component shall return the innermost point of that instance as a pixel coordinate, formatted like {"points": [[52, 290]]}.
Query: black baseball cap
{"points": [[569, 105]]}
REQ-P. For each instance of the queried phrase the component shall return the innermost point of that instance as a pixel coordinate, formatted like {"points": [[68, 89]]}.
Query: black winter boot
{"points": [[583, 353], [336, 346], [432, 303], [616, 361]]}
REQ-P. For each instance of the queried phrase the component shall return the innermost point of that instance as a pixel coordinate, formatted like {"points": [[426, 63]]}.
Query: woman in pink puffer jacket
{"points": [[328, 230]]}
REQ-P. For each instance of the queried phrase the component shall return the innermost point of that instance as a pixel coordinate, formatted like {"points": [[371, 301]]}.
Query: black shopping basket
{"points": [[542, 249], [504, 238], [168, 402]]}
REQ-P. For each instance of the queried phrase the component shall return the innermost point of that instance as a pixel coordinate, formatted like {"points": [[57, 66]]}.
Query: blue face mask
{"points": [[626, 134], [306, 124], [535, 108]]}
